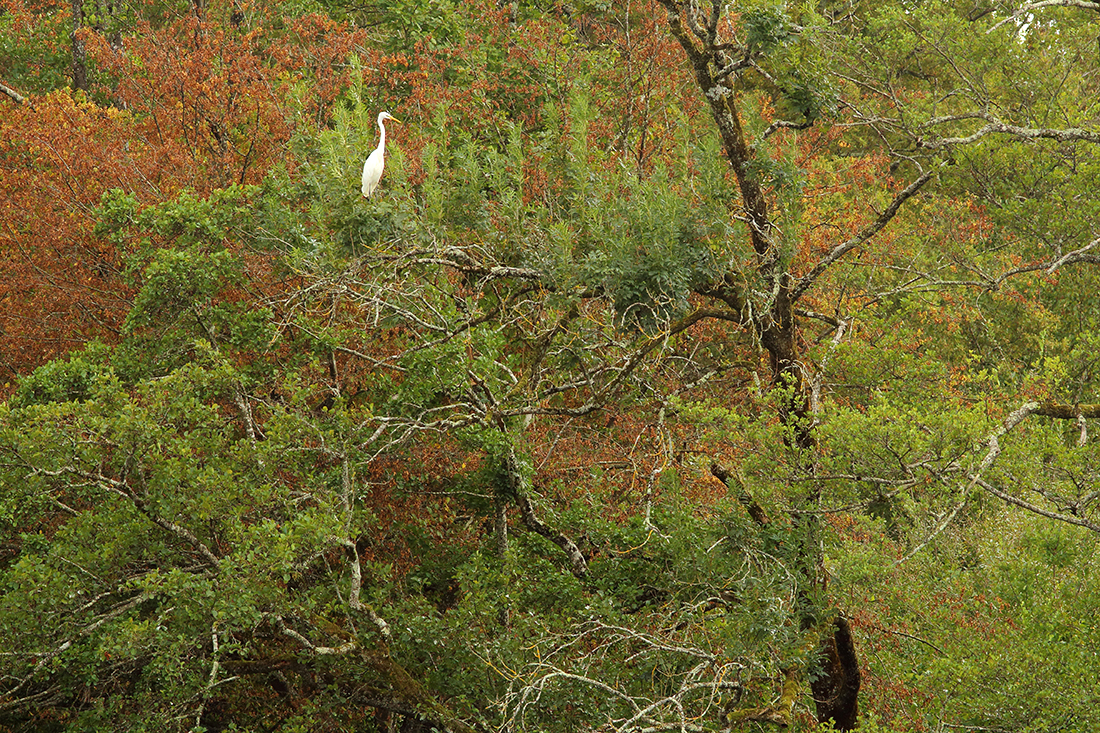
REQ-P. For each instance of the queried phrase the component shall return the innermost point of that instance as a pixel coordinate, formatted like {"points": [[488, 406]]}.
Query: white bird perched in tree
{"points": [[372, 169]]}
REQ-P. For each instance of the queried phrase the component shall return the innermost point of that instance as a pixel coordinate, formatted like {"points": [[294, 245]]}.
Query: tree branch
{"points": [[994, 126], [728, 120], [120, 488], [994, 449], [863, 236], [1067, 518], [1077, 255], [578, 565], [1029, 7], [5, 89], [754, 509], [993, 441], [1063, 411], [784, 124], [285, 630]]}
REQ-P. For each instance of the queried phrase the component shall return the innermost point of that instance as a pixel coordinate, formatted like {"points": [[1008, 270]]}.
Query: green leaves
{"points": [[76, 378], [176, 281], [370, 442], [653, 251], [993, 626], [766, 27]]}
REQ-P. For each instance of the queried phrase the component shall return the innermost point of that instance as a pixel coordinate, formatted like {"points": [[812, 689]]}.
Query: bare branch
{"points": [[19, 98], [120, 488], [215, 669], [994, 450], [344, 648], [742, 63], [993, 441], [996, 127], [578, 565], [863, 236], [684, 703], [819, 377], [784, 124], [1030, 7], [927, 643], [1077, 255], [1067, 518]]}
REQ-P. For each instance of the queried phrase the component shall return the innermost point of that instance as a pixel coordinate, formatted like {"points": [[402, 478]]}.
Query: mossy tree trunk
{"points": [[768, 308]]}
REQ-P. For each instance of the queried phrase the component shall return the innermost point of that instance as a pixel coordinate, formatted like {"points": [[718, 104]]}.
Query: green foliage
{"points": [[185, 311], [177, 524], [652, 252], [436, 22], [73, 379], [34, 60], [766, 27], [1000, 639], [457, 186], [345, 454]]}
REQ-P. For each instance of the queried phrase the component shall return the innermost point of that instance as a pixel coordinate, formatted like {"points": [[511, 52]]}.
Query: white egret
{"points": [[372, 169]]}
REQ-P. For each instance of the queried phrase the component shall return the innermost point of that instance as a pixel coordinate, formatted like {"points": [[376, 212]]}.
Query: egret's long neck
{"points": [[382, 135]]}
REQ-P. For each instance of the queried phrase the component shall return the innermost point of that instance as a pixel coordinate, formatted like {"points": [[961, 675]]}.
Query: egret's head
{"points": [[384, 116]]}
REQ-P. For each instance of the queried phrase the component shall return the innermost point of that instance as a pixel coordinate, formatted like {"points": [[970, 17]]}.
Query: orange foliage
{"points": [[59, 284], [194, 106]]}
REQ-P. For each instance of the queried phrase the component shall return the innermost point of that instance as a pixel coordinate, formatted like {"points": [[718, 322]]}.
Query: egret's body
{"points": [[372, 169]]}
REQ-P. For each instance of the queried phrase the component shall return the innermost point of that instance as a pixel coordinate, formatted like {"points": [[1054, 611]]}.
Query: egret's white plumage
{"points": [[372, 169]]}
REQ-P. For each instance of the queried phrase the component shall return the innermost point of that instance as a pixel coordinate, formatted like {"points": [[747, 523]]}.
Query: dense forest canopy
{"points": [[695, 366]]}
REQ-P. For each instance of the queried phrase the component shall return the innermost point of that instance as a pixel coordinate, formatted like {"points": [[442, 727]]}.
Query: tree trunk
{"points": [[80, 54], [836, 687], [836, 690]]}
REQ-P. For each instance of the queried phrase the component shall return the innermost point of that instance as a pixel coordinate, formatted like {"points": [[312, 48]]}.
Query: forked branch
{"points": [[993, 450]]}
